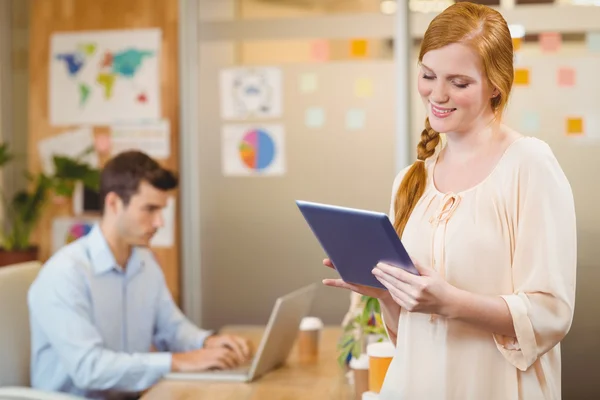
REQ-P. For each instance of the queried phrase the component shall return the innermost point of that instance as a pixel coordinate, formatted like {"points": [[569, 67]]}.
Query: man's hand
{"points": [[239, 345], [204, 359]]}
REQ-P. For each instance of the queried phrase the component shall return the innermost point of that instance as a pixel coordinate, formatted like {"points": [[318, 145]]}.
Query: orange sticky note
{"points": [[574, 126], [522, 76], [550, 41], [359, 47], [516, 44], [566, 77], [319, 50]]}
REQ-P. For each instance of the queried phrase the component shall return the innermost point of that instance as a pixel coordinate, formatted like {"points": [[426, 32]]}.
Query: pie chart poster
{"points": [[253, 150]]}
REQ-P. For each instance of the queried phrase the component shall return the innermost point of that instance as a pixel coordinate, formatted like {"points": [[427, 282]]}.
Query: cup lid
{"points": [[370, 396], [362, 362], [381, 349], [311, 323]]}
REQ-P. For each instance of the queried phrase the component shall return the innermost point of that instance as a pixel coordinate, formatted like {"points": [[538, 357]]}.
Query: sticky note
{"points": [[593, 41], [550, 41], [517, 58], [516, 44], [355, 119], [574, 126], [319, 50], [530, 122], [308, 83], [522, 76], [363, 87], [566, 77], [314, 117], [359, 48], [102, 143]]}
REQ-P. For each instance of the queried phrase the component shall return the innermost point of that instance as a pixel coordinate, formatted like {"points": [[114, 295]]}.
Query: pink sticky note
{"points": [[319, 50], [102, 143], [566, 77], [550, 41]]}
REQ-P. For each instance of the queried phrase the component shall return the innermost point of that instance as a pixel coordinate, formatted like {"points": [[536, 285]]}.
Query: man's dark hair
{"points": [[123, 174]]}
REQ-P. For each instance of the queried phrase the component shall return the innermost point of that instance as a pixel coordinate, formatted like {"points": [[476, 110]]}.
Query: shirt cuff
{"points": [[160, 362], [202, 339], [522, 350]]}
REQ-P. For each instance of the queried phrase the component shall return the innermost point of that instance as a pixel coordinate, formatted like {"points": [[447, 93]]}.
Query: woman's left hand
{"points": [[427, 293]]}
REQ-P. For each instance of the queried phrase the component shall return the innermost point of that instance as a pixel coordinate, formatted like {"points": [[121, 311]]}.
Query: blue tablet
{"points": [[356, 240]]}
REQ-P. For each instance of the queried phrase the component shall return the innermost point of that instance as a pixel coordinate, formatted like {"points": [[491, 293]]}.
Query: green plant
{"points": [[23, 211], [367, 321], [68, 171]]}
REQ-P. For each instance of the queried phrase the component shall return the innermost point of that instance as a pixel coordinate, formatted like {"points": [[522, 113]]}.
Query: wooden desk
{"points": [[294, 380]]}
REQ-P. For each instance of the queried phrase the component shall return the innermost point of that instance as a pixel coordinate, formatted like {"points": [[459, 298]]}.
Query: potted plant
{"points": [[362, 326], [23, 211]]}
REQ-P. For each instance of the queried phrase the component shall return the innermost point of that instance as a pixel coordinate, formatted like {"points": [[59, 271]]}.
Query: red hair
{"points": [[486, 32]]}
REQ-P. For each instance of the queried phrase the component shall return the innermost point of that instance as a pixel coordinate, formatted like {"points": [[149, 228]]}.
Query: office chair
{"points": [[15, 345]]}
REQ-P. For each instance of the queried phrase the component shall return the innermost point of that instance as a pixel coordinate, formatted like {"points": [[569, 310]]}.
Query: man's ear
{"points": [[113, 203]]}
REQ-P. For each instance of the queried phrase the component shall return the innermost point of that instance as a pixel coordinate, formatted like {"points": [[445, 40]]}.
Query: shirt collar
{"points": [[102, 257]]}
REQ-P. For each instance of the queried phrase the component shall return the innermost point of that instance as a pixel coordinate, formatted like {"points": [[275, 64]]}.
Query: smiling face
{"points": [[455, 90]]}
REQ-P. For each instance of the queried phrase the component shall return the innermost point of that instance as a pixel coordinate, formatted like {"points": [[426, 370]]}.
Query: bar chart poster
{"points": [[253, 150]]}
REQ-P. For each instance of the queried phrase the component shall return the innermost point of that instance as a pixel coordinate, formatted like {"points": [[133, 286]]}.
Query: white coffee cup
{"points": [[360, 370], [308, 339]]}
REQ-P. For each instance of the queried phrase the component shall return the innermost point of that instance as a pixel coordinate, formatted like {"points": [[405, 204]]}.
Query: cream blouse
{"points": [[512, 235]]}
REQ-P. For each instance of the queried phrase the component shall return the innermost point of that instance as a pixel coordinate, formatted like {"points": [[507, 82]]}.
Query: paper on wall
{"points": [[253, 150], [251, 93], [152, 138], [165, 236], [68, 229], [71, 144], [99, 77]]}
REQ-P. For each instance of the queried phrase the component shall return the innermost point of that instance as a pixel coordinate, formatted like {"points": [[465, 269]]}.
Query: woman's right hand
{"points": [[380, 294]]}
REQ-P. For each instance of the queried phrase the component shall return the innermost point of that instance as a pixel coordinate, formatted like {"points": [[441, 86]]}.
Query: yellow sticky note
{"points": [[359, 47], [308, 83], [516, 44], [522, 76], [574, 126], [363, 87]]}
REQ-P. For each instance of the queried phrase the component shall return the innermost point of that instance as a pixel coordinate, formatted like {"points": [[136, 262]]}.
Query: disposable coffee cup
{"points": [[380, 356], [308, 339], [360, 371]]}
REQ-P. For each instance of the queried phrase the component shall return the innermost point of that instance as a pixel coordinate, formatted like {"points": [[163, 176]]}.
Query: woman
{"points": [[488, 217]]}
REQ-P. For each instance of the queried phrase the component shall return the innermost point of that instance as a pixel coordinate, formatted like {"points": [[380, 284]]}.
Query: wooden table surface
{"points": [[295, 380]]}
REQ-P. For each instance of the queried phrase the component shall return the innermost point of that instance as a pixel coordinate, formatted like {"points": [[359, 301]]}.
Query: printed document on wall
{"points": [[78, 143], [165, 236], [103, 77], [253, 150], [251, 93], [65, 230], [152, 138]]}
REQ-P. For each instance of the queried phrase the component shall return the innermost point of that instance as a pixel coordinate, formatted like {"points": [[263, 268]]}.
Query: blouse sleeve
{"points": [[544, 261]]}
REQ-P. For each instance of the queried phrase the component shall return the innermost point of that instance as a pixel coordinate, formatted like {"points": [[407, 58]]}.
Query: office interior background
{"points": [[343, 112]]}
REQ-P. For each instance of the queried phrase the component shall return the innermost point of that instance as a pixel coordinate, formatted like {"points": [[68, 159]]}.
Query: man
{"points": [[101, 302]]}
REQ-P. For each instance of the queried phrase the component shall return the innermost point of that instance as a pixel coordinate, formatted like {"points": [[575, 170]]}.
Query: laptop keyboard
{"points": [[237, 370]]}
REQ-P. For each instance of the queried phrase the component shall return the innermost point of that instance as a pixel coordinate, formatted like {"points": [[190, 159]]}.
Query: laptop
{"points": [[275, 345]]}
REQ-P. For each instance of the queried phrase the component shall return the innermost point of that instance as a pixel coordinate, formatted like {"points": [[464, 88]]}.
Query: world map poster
{"points": [[102, 77]]}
